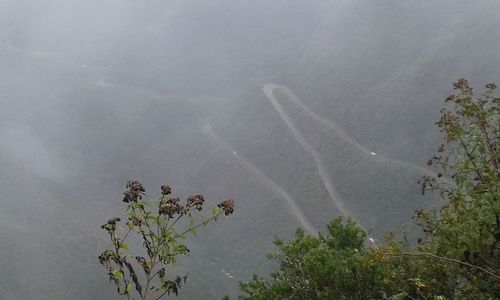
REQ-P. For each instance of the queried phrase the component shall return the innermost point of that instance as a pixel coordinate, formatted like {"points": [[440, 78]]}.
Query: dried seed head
{"points": [[134, 191], [196, 202], [170, 207], [111, 224], [136, 221], [105, 256], [227, 207], [491, 86], [166, 190]]}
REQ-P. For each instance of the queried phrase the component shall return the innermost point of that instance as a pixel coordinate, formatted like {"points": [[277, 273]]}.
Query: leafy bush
{"points": [[334, 266], [457, 258]]}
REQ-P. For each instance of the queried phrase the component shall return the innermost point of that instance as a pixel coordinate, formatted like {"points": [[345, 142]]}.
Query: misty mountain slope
{"points": [[391, 65], [365, 185], [110, 143], [48, 249], [94, 133], [108, 133], [87, 31], [26, 76], [95, 93], [211, 47], [265, 180], [380, 196], [44, 236], [237, 244], [259, 134]]}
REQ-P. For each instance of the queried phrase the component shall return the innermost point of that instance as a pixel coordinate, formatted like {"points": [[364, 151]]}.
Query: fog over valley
{"points": [[298, 110]]}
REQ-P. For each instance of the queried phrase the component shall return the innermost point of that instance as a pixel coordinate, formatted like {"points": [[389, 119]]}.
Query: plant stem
{"points": [[430, 255]]}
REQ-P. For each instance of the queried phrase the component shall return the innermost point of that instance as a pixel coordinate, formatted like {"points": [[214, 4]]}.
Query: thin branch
{"points": [[123, 240], [156, 273], [485, 261], [159, 297], [173, 223], [204, 223], [430, 255], [471, 159], [491, 149]]}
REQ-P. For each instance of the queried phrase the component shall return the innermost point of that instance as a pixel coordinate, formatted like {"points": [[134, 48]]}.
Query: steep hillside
{"points": [[381, 70], [173, 92]]}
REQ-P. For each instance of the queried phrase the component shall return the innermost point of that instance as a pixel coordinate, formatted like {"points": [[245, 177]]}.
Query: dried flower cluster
{"points": [[166, 190], [111, 224], [196, 202], [161, 240], [134, 191], [227, 207], [170, 207]]}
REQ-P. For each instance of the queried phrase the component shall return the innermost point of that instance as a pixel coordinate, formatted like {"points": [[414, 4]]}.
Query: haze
{"points": [[300, 110]]}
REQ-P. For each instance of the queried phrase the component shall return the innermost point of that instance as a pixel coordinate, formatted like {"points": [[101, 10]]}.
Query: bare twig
{"points": [[430, 255]]}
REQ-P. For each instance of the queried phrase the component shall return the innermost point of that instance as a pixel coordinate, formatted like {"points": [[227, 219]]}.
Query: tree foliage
{"points": [[458, 256], [466, 229], [332, 266], [156, 225]]}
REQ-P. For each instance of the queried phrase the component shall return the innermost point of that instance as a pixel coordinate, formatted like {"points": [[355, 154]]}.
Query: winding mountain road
{"points": [[280, 192], [268, 90], [325, 177]]}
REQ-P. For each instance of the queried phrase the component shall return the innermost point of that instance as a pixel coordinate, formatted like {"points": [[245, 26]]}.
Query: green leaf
{"points": [[128, 288]]}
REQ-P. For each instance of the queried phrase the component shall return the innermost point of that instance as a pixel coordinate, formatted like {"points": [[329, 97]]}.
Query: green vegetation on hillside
{"points": [[458, 257]]}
